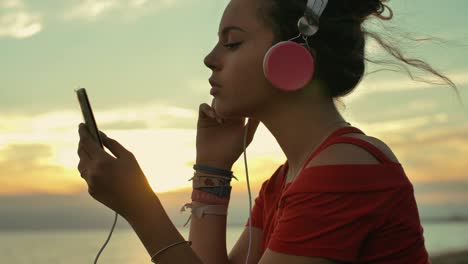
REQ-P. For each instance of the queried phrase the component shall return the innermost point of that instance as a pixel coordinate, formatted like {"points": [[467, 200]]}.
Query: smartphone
{"points": [[88, 115]]}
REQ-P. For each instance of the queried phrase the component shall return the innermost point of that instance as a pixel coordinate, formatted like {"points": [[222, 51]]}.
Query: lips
{"points": [[214, 91], [214, 83], [214, 86]]}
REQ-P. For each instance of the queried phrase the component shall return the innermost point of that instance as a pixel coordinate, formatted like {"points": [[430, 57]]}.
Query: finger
{"points": [[114, 146], [81, 168], [206, 111], [252, 126], [88, 143], [84, 171], [213, 109], [82, 153]]}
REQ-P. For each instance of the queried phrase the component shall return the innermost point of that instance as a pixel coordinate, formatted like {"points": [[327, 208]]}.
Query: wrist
{"points": [[144, 202]]}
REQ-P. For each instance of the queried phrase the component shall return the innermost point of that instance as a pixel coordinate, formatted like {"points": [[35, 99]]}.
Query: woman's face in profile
{"points": [[237, 61]]}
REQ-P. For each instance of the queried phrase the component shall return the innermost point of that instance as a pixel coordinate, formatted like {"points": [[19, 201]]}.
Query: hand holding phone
{"points": [[88, 115]]}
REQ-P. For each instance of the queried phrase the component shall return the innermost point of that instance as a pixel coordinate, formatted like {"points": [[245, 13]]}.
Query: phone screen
{"points": [[88, 116]]}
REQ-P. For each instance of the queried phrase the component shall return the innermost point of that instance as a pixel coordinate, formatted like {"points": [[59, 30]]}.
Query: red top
{"points": [[359, 213]]}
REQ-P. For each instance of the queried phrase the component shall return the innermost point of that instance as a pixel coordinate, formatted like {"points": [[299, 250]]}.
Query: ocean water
{"points": [[81, 246]]}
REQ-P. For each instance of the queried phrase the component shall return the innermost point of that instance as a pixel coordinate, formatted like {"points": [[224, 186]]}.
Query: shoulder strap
{"points": [[340, 131]]}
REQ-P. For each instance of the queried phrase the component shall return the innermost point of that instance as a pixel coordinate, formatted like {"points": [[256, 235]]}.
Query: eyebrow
{"points": [[229, 28]]}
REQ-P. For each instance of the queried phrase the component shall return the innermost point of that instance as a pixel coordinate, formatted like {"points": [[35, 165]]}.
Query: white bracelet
{"points": [[200, 209], [153, 258]]}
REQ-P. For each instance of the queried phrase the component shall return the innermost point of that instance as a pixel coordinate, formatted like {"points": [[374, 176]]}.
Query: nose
{"points": [[211, 61]]}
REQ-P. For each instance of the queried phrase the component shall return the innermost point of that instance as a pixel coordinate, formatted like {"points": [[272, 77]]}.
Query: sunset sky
{"points": [[142, 64]]}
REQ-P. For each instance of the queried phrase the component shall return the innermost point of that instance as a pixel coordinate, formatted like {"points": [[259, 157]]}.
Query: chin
{"points": [[225, 110]]}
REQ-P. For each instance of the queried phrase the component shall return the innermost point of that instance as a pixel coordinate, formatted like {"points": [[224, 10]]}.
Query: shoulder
{"points": [[343, 153]]}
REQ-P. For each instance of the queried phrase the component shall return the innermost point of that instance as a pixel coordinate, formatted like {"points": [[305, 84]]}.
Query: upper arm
{"points": [[325, 227], [238, 253], [273, 257]]}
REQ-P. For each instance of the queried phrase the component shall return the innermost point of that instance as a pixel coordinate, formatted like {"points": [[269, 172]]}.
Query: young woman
{"points": [[341, 197]]}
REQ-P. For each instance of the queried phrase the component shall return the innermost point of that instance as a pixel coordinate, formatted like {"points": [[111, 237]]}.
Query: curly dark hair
{"points": [[340, 42]]}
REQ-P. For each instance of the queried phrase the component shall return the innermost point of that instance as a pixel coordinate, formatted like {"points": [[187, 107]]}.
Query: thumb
{"points": [[115, 147]]}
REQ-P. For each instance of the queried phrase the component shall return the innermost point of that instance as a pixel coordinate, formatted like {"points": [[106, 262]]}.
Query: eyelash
{"points": [[232, 45]]}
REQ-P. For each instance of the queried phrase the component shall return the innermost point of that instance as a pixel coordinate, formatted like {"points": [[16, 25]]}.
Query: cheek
{"points": [[246, 87], [246, 71]]}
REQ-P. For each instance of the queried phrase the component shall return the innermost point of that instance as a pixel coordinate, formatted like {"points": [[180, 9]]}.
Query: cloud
{"points": [[431, 154], [153, 131], [430, 147], [137, 3], [414, 107], [417, 135], [409, 124], [163, 150], [92, 9], [138, 117], [11, 4], [148, 116], [374, 83], [460, 78], [16, 21], [124, 125], [438, 192], [25, 168], [443, 197], [146, 130]]}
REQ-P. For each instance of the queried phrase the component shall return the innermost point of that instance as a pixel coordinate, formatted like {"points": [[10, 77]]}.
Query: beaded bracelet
{"points": [[153, 258], [220, 191]]}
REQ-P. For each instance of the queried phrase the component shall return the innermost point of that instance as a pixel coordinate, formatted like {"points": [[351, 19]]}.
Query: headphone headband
{"points": [[316, 7], [309, 23]]}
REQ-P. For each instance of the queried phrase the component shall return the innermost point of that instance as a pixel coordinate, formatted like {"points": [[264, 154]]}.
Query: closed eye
{"points": [[232, 45]]}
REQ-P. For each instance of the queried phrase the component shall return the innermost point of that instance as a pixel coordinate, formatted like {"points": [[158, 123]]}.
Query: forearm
{"points": [[208, 233], [156, 231], [208, 236]]}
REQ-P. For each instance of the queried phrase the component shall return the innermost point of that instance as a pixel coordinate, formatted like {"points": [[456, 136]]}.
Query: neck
{"points": [[300, 124]]}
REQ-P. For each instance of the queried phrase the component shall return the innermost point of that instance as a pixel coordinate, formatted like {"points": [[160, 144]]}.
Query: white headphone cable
{"points": [[250, 207], [108, 238], [250, 195]]}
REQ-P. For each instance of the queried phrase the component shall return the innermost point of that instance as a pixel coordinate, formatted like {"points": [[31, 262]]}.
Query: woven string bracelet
{"points": [[204, 174]]}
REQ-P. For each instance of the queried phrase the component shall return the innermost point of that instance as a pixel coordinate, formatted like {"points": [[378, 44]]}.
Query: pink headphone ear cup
{"points": [[289, 66]]}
